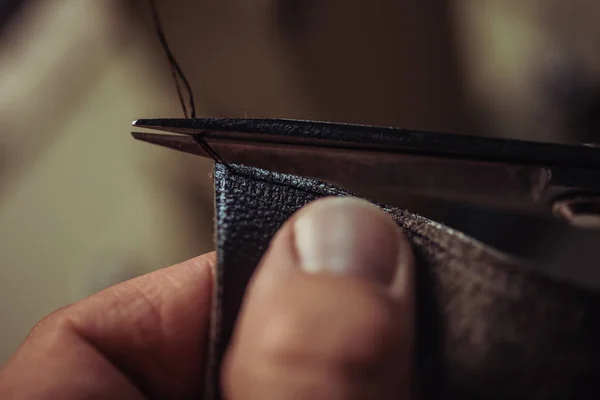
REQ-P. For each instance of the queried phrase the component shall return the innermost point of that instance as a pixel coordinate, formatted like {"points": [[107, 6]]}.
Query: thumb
{"points": [[329, 313]]}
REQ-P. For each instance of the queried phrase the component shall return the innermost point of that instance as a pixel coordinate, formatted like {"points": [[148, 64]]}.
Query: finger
{"points": [[329, 313], [143, 338]]}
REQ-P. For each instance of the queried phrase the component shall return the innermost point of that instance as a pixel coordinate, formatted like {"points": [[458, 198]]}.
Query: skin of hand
{"points": [[328, 315]]}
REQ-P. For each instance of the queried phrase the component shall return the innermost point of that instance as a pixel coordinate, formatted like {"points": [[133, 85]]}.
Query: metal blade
{"points": [[184, 144], [485, 193], [324, 134], [493, 184]]}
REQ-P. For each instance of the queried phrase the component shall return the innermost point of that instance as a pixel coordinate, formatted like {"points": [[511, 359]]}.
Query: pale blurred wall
{"points": [[82, 205]]}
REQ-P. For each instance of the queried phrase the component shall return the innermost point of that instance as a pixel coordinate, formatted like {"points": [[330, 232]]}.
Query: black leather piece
{"points": [[486, 327]]}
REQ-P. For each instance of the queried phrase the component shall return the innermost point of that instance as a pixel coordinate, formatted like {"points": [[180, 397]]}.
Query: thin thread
{"points": [[213, 154], [177, 74], [172, 61], [179, 91]]}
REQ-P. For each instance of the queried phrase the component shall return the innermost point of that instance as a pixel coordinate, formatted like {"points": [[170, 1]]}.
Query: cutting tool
{"points": [[535, 200]]}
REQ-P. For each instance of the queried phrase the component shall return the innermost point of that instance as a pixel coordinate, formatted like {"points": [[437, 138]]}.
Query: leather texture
{"points": [[486, 327]]}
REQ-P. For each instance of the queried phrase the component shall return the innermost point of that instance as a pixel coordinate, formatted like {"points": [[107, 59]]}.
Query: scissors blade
{"points": [[323, 134], [497, 185], [553, 248], [185, 144], [510, 175]]}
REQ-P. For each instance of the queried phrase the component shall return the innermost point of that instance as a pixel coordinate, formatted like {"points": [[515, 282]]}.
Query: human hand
{"points": [[328, 314]]}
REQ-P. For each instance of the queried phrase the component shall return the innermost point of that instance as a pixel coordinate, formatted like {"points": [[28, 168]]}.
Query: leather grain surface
{"points": [[486, 327]]}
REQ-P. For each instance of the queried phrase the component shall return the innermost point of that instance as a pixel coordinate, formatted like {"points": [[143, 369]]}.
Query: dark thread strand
{"points": [[213, 154], [172, 61], [179, 91], [177, 75]]}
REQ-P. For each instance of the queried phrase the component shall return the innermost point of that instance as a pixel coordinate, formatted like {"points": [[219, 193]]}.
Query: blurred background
{"points": [[84, 206]]}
